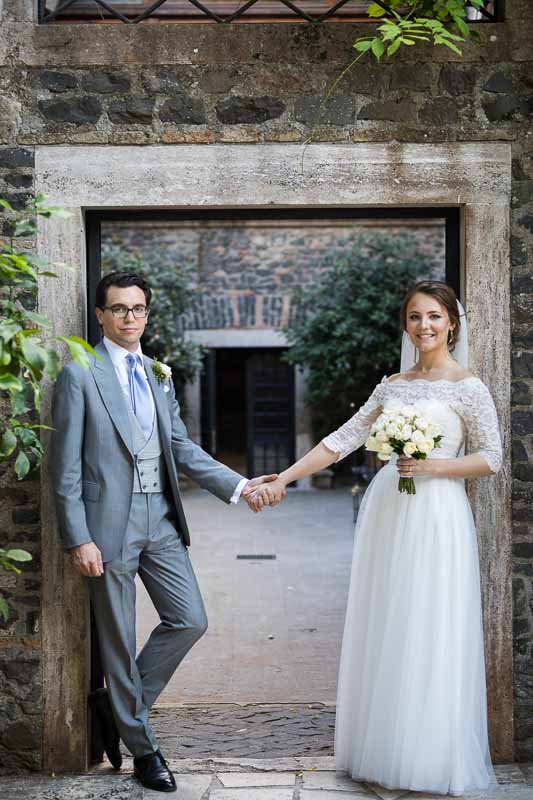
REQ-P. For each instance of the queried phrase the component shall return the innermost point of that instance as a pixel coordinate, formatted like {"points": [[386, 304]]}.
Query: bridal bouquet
{"points": [[405, 432]]}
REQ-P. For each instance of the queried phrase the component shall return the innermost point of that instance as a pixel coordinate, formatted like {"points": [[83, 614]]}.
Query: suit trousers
{"points": [[154, 549]]}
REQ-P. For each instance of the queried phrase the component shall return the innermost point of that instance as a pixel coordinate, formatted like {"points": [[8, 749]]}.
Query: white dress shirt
{"points": [[118, 356]]}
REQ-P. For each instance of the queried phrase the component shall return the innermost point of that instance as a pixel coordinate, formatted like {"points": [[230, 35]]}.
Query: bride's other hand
{"points": [[412, 467]]}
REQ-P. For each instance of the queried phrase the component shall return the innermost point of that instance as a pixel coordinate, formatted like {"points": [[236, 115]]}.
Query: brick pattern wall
{"points": [[200, 84]]}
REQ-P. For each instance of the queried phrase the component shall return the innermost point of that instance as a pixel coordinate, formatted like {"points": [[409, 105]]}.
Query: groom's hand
{"points": [[252, 484], [87, 560]]}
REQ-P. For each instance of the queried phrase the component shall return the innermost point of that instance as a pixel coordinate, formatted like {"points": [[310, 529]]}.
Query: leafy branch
{"points": [[439, 22], [25, 357], [7, 557]]}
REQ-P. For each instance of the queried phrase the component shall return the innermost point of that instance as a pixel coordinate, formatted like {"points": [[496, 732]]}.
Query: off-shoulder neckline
{"points": [[428, 380]]}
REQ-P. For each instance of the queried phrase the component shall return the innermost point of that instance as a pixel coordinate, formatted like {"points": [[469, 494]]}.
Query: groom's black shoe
{"points": [[153, 772], [107, 727]]}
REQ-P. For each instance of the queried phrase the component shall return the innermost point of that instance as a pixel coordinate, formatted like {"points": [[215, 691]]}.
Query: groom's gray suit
{"points": [[118, 489]]}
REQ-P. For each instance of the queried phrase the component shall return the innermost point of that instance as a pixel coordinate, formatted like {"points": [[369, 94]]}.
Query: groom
{"points": [[118, 443]]}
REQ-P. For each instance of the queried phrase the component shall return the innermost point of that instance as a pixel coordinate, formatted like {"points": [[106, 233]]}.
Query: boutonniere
{"points": [[161, 371]]}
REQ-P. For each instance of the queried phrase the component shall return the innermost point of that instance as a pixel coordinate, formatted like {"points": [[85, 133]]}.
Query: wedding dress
{"points": [[411, 704]]}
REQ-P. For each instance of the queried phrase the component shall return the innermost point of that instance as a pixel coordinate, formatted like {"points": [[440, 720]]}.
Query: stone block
{"points": [[522, 365], [19, 736], [218, 81], [237, 780], [519, 597], [522, 193], [132, 110], [415, 77], [167, 80], [18, 181], [339, 110], [504, 108], [239, 110], [401, 110], [16, 157], [183, 110], [521, 396], [522, 284], [522, 305], [22, 516], [364, 79], [441, 111], [523, 550], [195, 136], [57, 82], [499, 83], [527, 222], [107, 82], [456, 80], [519, 252], [264, 793], [84, 110], [522, 423], [332, 781], [519, 452], [523, 472]]}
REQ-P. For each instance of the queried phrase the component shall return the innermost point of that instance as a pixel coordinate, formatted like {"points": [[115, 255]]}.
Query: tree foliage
{"points": [[173, 294], [345, 329], [26, 355]]}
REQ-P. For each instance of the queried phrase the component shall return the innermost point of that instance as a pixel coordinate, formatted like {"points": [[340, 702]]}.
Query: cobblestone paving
{"points": [[234, 730]]}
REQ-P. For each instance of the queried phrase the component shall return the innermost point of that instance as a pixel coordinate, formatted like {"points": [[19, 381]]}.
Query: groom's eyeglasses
{"points": [[139, 312]]}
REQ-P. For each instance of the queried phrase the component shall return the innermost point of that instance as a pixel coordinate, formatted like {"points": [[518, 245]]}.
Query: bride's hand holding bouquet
{"points": [[407, 433]]}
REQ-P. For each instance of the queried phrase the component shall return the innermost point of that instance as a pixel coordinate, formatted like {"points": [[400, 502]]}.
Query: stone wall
{"points": [[244, 275], [204, 83]]}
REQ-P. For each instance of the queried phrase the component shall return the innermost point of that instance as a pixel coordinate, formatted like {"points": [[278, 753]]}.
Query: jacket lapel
{"points": [[111, 394], [161, 405]]}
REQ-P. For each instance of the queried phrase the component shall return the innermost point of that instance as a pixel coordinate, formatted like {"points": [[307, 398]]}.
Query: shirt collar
{"points": [[118, 353]]}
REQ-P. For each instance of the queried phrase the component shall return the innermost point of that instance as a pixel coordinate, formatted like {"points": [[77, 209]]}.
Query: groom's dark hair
{"points": [[123, 280]]}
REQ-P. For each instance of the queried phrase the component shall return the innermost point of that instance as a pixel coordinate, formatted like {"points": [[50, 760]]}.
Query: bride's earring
{"points": [[451, 336]]}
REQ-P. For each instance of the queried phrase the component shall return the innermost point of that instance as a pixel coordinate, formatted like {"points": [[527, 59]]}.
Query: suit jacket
{"points": [[92, 455]]}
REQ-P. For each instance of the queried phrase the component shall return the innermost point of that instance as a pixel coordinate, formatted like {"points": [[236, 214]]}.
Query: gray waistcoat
{"points": [[150, 472]]}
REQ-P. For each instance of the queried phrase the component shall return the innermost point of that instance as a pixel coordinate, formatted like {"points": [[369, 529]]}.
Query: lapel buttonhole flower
{"points": [[161, 371]]}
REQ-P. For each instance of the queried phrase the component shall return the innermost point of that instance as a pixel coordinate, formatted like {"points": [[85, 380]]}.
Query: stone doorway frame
{"points": [[475, 177]]}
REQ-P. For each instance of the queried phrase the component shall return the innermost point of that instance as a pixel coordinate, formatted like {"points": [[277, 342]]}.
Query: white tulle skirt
{"points": [[411, 704]]}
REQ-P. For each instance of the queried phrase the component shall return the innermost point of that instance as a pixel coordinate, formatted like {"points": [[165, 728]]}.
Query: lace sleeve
{"points": [[354, 433], [482, 425]]}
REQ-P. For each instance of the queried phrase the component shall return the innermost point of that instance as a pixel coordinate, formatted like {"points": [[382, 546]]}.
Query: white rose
{"points": [[409, 448], [392, 429], [166, 370], [400, 420], [381, 436], [426, 446], [372, 444], [417, 436], [421, 423], [405, 433], [385, 448], [408, 411]]}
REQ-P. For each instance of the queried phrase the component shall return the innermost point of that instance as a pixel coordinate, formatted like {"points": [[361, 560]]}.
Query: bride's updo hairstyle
{"points": [[445, 296]]}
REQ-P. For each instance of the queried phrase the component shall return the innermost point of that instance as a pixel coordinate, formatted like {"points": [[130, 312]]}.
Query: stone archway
{"points": [[475, 177]]}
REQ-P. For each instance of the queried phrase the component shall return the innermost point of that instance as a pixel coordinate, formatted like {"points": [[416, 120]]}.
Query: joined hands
{"points": [[268, 490]]}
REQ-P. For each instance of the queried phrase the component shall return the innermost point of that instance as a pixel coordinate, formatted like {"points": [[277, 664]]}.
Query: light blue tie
{"points": [[139, 395]]}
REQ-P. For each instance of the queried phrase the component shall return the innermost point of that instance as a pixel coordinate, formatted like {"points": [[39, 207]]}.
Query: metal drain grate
{"points": [[257, 557]]}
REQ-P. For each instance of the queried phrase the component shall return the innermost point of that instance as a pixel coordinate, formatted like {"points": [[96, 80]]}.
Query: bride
{"points": [[411, 704]]}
